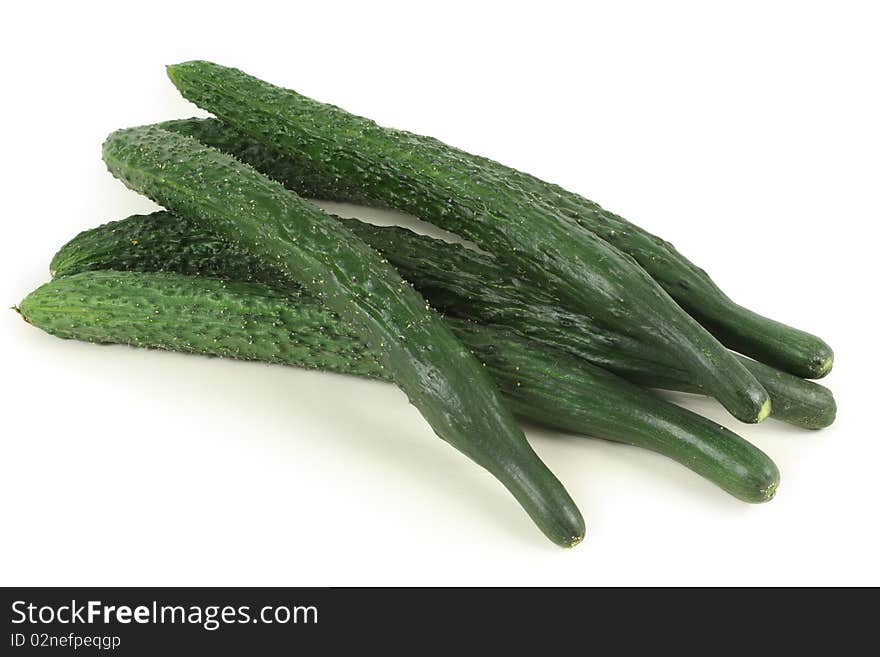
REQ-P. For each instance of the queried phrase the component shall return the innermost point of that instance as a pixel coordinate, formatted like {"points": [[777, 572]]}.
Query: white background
{"points": [[748, 136]]}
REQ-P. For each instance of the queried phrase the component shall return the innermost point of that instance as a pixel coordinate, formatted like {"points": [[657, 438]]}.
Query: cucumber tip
{"points": [[824, 366], [764, 412], [574, 540], [770, 492]]}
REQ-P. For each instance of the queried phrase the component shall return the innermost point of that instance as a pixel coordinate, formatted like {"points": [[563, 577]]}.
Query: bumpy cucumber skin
{"points": [[254, 321], [440, 377], [196, 314], [425, 178], [457, 281], [766, 340]]}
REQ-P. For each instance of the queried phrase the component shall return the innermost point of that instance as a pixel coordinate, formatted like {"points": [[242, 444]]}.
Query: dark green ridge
{"points": [[254, 321], [426, 179], [302, 243]]}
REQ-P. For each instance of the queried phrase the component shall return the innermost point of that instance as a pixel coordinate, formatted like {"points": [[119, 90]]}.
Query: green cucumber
{"points": [[426, 179], [255, 321], [764, 339], [455, 280], [440, 377]]}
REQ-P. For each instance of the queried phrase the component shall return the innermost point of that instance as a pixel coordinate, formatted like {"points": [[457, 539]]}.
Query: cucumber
{"points": [[440, 377], [455, 280], [255, 321], [426, 179], [764, 339]]}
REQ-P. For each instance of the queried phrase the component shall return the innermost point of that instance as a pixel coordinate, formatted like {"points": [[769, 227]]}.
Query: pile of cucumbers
{"points": [[566, 316]]}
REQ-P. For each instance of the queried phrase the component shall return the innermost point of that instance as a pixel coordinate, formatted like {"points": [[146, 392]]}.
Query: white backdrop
{"points": [[748, 136]]}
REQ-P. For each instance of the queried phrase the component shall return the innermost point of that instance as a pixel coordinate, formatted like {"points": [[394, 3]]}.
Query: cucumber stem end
{"points": [[825, 366], [574, 540]]}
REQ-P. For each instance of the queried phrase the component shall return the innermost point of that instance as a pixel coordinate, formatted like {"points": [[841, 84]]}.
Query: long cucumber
{"points": [[425, 178], [440, 377], [255, 321], [455, 280]]}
